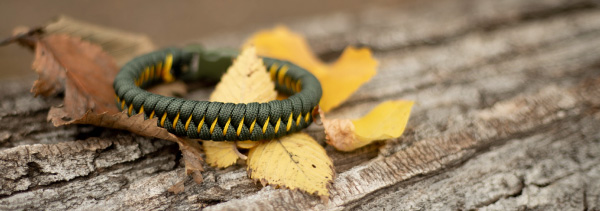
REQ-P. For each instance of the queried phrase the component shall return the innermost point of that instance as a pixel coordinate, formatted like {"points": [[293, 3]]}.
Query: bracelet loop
{"points": [[215, 121]]}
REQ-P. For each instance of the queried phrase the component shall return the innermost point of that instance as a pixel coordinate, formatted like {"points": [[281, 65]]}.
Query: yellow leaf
{"points": [[339, 80], [385, 121], [295, 161], [220, 153], [246, 81]]}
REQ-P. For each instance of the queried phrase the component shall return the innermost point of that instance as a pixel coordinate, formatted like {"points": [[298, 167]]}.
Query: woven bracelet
{"points": [[216, 121]]}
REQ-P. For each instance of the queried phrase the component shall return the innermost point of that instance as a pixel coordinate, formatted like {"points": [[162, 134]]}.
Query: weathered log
{"points": [[507, 117]]}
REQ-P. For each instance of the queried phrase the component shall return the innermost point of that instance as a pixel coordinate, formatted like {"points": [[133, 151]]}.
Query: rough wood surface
{"points": [[507, 118]]}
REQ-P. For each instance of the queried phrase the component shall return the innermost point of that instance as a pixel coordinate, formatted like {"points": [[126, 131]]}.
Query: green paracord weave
{"points": [[215, 120]]}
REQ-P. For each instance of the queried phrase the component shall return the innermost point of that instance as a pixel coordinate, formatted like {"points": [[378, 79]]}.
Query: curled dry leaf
{"points": [[387, 120], [245, 81], [192, 158], [339, 80], [295, 161]]}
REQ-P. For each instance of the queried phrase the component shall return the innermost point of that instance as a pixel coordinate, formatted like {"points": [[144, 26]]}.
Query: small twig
{"points": [[26, 39], [238, 153]]}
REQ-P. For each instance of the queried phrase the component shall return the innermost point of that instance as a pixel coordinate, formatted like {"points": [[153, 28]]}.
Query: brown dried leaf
{"points": [[138, 125], [123, 46], [51, 73], [177, 187], [135, 124], [82, 68], [86, 73], [192, 158]]}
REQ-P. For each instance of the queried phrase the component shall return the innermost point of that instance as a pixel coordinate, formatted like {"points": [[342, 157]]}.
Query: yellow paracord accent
{"points": [[277, 125], [212, 126], [298, 119], [200, 125], [226, 126], [130, 108], [151, 115], [273, 71], [252, 126], [187, 123], [240, 126], [281, 74], [289, 124], [307, 117], [175, 120], [141, 109], [167, 76], [162, 120], [265, 126]]}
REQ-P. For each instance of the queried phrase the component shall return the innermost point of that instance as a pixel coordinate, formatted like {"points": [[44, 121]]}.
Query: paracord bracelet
{"points": [[215, 120]]}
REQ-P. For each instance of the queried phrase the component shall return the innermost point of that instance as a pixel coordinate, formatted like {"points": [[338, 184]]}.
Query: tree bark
{"points": [[507, 117]]}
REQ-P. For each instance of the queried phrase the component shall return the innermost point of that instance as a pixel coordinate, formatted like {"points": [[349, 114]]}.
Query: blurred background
{"points": [[165, 22]]}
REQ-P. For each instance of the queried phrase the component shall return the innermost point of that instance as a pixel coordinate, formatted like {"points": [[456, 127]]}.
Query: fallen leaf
{"points": [[146, 127], [51, 74], [121, 45], [135, 124], [387, 120], [339, 80], [246, 81], [220, 154], [294, 161], [86, 73], [177, 187], [82, 68], [192, 158]]}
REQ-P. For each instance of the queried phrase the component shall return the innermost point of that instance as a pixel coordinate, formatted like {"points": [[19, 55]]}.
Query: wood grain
{"points": [[507, 118]]}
